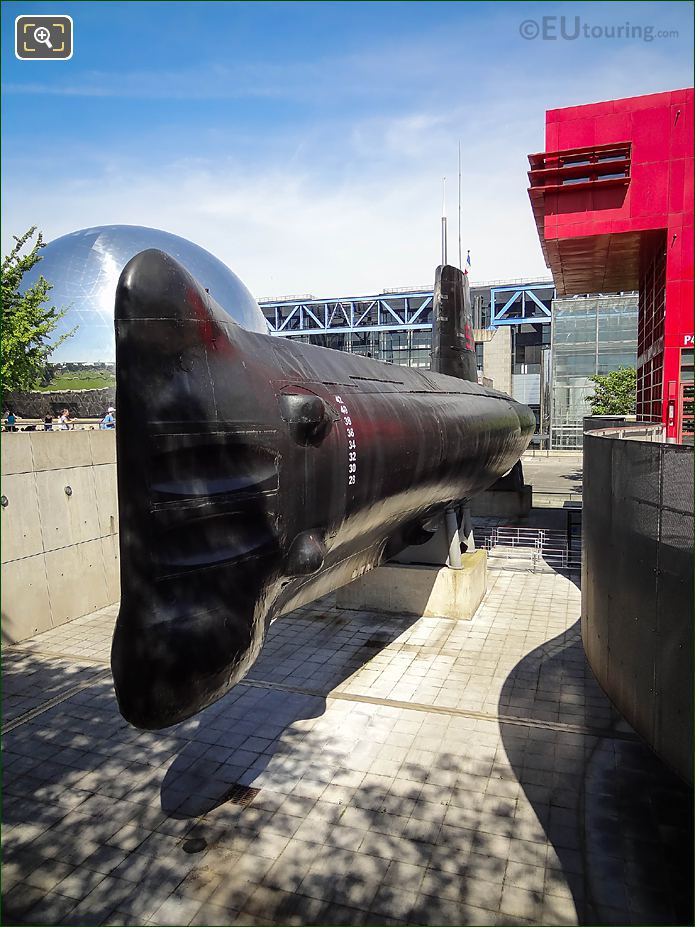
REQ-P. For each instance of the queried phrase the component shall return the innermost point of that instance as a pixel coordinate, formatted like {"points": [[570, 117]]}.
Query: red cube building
{"points": [[613, 201]]}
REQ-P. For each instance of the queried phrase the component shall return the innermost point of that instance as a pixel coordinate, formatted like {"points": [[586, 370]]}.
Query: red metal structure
{"points": [[613, 201]]}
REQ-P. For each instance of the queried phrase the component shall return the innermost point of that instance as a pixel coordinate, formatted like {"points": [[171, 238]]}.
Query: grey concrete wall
{"points": [[59, 550]]}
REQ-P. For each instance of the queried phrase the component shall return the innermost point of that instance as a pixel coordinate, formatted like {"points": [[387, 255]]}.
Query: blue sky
{"points": [[304, 143]]}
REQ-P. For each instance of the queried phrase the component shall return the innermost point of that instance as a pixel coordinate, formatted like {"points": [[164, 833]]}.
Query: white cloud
{"points": [[341, 203], [292, 230]]}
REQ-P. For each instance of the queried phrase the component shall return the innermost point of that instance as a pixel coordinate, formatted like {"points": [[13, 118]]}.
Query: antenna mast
{"points": [[443, 220], [460, 261]]}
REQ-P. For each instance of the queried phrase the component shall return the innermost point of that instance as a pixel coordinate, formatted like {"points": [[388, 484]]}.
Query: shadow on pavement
{"points": [[619, 821], [366, 813]]}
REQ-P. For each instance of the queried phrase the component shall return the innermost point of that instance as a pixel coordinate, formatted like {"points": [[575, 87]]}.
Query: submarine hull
{"points": [[256, 474]]}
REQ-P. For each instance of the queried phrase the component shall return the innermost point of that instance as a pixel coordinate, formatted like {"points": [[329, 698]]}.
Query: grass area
{"points": [[88, 380]]}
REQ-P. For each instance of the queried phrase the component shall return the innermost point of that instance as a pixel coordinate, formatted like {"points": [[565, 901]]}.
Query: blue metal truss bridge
{"points": [[516, 302]]}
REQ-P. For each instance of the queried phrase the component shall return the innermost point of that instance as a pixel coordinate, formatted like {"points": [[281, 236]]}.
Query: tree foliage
{"points": [[616, 392], [27, 320]]}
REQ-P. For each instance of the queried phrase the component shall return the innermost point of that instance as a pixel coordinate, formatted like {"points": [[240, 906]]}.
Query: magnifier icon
{"points": [[43, 35]]}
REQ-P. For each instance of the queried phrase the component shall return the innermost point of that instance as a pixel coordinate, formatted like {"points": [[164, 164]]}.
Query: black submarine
{"points": [[256, 474]]}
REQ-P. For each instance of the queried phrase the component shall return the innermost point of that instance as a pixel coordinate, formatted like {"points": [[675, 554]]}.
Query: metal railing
{"points": [[535, 550], [555, 498], [394, 290], [36, 425], [641, 431]]}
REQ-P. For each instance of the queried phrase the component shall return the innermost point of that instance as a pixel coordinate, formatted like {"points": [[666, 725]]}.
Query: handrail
{"points": [[632, 432]]}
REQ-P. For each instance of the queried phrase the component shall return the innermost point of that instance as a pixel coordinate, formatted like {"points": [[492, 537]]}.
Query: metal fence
{"points": [[637, 585], [534, 550]]}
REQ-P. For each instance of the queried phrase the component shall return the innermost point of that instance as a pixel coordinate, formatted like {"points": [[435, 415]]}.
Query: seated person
{"points": [[109, 420]]}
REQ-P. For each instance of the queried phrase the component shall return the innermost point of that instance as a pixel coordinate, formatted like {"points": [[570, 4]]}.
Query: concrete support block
{"points": [[26, 609], [509, 503], [21, 525], [427, 591]]}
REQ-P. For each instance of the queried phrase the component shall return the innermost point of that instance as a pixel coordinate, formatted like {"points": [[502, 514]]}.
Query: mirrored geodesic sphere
{"points": [[83, 268]]}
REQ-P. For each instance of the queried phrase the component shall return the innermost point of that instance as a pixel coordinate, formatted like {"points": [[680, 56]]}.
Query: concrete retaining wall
{"points": [[82, 403], [59, 549]]}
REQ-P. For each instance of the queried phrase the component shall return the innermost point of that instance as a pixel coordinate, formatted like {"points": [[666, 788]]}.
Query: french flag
{"points": [[468, 262]]}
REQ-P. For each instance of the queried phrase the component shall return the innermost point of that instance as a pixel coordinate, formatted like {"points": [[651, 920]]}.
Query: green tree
{"points": [[616, 392], [27, 319]]}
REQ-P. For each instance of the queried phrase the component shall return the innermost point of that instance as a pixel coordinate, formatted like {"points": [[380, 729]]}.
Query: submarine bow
{"points": [[256, 474]]}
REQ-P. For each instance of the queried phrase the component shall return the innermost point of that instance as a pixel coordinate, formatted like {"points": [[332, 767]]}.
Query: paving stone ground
{"points": [[554, 473], [402, 771]]}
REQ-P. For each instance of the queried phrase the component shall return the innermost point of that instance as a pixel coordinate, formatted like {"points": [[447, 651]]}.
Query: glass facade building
{"points": [[590, 335], [407, 348]]}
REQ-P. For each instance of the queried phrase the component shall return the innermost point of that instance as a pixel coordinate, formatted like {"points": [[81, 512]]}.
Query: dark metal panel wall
{"points": [[637, 586]]}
